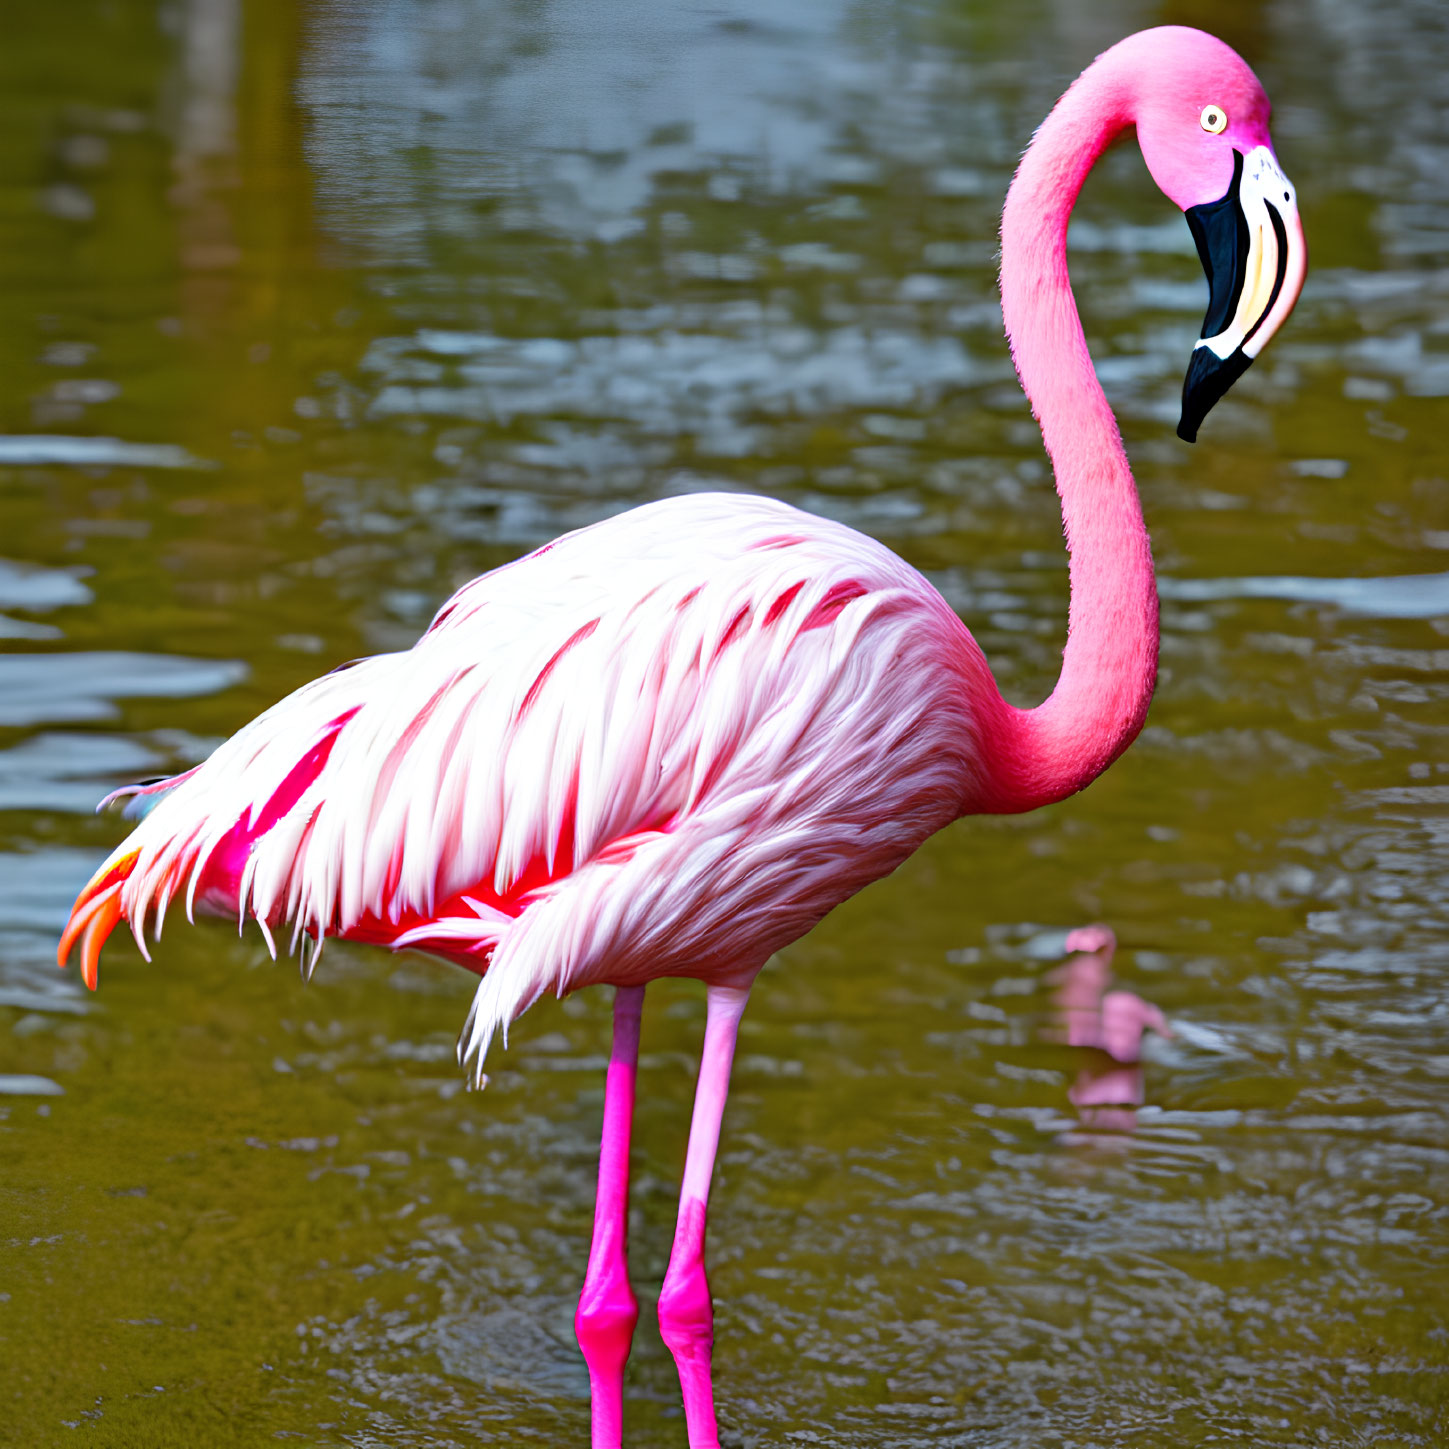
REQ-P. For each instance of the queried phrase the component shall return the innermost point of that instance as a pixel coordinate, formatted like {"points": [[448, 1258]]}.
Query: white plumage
{"points": [[666, 744]]}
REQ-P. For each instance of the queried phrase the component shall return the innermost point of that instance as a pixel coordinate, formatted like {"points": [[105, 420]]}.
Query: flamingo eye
{"points": [[1214, 119]]}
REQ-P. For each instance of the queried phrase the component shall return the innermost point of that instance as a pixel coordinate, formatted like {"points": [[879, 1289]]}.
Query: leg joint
{"points": [[604, 1323], [686, 1315]]}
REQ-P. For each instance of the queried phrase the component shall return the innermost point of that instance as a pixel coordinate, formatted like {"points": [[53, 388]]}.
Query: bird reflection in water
{"points": [[1110, 1024]]}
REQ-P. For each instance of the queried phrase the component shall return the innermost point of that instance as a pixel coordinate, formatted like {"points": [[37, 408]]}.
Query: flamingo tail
{"points": [[95, 915]]}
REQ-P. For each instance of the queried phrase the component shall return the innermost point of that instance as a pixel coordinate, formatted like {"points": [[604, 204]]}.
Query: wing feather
{"points": [[661, 735]]}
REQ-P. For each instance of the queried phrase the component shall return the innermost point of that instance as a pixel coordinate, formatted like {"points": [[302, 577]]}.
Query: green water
{"points": [[398, 292]]}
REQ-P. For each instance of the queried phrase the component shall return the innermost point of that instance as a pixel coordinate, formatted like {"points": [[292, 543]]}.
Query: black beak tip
{"points": [[1208, 378]]}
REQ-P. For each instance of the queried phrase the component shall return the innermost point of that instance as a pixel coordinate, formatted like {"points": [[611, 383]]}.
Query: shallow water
{"points": [[309, 313]]}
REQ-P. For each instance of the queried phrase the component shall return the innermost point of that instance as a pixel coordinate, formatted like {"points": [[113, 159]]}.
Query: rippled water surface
{"points": [[308, 313]]}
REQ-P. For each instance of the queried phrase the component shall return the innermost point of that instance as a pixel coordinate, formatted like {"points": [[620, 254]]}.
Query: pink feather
{"points": [[761, 712]]}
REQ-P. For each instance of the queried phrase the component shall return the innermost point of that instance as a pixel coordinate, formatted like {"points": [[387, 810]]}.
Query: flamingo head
{"points": [[1202, 124]]}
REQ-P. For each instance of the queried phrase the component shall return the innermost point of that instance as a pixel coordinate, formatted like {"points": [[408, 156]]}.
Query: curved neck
{"points": [[1109, 665]]}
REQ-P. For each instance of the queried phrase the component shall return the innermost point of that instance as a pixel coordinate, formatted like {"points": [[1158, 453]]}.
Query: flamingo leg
{"points": [[686, 1312], [608, 1311]]}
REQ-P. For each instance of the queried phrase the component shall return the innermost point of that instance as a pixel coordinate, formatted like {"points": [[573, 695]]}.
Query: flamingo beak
{"points": [[1252, 249]]}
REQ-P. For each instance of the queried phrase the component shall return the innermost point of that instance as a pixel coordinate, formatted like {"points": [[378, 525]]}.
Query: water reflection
{"points": [[1410, 596], [1110, 1024], [204, 158], [74, 686]]}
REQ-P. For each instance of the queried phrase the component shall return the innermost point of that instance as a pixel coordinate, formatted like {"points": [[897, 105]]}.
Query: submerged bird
{"points": [[668, 744]]}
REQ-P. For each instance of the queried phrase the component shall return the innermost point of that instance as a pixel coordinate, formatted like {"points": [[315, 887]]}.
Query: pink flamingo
{"points": [[668, 744]]}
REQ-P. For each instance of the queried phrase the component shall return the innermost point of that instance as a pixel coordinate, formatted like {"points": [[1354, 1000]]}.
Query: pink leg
{"points": [[607, 1313], [686, 1314]]}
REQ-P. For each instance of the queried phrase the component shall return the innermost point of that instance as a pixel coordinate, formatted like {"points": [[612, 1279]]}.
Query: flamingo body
{"points": [[664, 745]]}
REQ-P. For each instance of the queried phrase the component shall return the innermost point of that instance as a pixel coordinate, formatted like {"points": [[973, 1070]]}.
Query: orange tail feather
{"points": [[94, 915]]}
